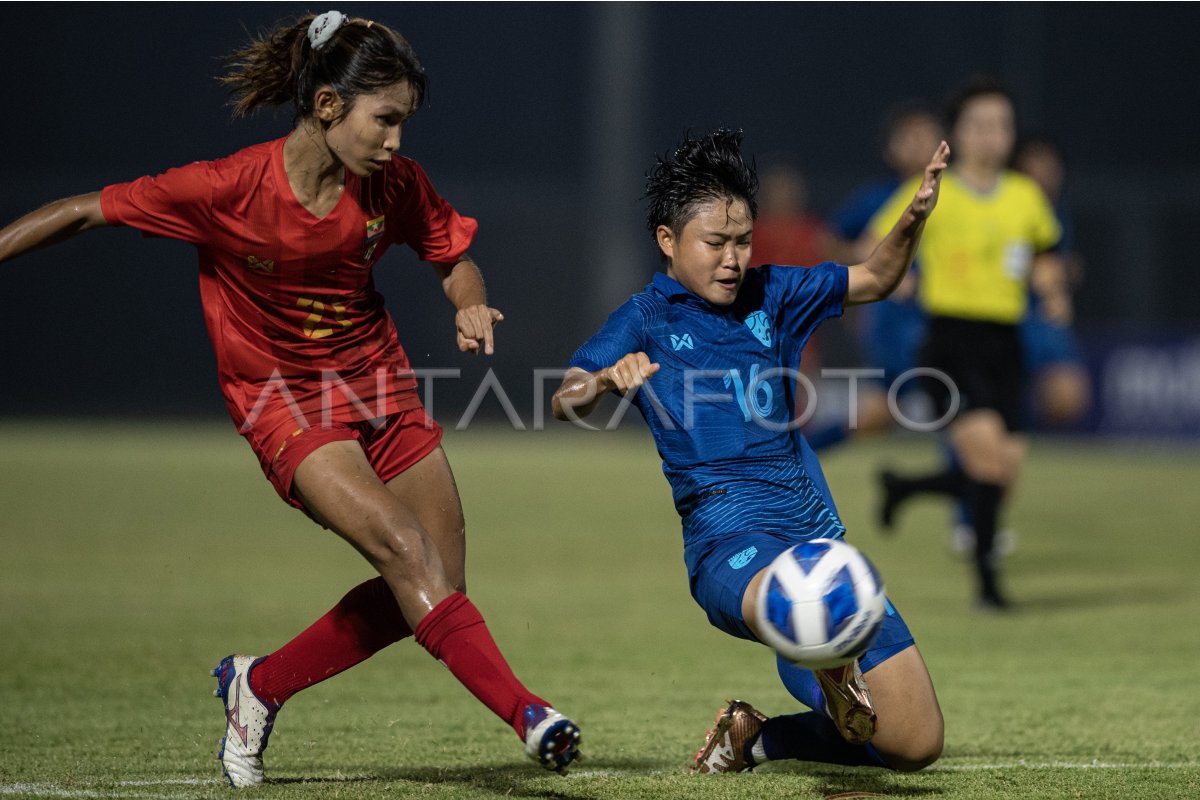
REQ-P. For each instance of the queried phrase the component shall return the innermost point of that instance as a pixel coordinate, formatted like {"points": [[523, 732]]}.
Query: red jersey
{"points": [[300, 334], [796, 240]]}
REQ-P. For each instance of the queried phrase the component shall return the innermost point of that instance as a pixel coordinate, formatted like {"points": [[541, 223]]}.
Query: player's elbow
{"points": [[556, 408], [566, 408]]}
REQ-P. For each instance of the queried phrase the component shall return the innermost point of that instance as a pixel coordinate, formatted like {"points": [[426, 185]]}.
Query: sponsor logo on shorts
{"points": [[739, 560]]}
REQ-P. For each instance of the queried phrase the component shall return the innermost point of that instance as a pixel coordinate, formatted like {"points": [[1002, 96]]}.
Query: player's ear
{"points": [[666, 240], [327, 104]]}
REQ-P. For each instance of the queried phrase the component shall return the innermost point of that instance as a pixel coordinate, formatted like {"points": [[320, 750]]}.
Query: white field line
{"points": [[52, 790], [1093, 764]]}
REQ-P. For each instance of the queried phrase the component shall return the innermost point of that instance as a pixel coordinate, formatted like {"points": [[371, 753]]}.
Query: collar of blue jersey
{"points": [[670, 288], [675, 291]]}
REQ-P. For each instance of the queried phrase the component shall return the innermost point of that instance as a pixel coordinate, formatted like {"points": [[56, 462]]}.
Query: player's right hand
{"points": [[630, 372], [927, 192]]}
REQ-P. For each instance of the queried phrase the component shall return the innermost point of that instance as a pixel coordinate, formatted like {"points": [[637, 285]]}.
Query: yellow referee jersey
{"points": [[977, 249]]}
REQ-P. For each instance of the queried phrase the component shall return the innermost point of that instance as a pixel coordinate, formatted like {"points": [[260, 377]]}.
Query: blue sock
{"points": [[811, 736], [801, 683], [826, 436]]}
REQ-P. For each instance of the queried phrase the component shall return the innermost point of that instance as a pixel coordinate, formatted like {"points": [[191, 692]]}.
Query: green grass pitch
{"points": [[132, 558]]}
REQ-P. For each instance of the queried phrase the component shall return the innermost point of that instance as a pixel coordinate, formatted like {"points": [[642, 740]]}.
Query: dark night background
{"points": [[541, 123]]}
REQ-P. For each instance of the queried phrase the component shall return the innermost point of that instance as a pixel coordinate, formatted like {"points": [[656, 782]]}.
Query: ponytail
{"points": [[354, 56]]}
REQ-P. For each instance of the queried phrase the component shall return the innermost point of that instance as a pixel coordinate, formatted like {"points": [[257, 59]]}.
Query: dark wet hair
{"points": [[282, 66], [977, 86], [708, 168]]}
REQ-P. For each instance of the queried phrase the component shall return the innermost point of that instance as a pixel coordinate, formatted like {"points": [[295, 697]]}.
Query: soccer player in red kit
{"points": [[310, 365]]}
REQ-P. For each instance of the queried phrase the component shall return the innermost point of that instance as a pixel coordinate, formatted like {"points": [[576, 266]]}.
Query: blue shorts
{"points": [[721, 567], [893, 336], [1044, 343]]}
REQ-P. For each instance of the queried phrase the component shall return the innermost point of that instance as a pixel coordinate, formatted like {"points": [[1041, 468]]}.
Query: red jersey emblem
{"points": [[374, 234]]}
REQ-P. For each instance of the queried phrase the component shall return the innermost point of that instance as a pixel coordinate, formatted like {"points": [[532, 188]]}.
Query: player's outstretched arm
{"points": [[474, 320], [881, 273], [580, 391], [50, 224]]}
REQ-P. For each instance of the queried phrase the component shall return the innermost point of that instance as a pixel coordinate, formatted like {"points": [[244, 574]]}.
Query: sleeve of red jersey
{"points": [[176, 204], [419, 217]]}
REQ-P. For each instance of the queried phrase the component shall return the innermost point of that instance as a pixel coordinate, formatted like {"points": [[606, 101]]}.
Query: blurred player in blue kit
{"points": [[708, 352], [891, 330], [1061, 388]]}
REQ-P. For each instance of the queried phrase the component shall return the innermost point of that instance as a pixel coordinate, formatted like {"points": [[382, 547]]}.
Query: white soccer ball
{"points": [[820, 604]]}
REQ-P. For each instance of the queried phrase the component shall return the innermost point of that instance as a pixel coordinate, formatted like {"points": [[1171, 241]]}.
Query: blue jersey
{"points": [[892, 330], [721, 406]]}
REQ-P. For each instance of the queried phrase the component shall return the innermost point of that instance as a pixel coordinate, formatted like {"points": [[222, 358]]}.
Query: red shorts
{"points": [[400, 441]]}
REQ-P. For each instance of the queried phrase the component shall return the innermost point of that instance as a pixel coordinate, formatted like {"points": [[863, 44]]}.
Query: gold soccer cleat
{"points": [[848, 701], [725, 746]]}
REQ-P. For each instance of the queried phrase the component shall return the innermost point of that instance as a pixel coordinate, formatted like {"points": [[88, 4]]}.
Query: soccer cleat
{"points": [[991, 599], [248, 722], [848, 701], [962, 541], [726, 746], [993, 603], [551, 739]]}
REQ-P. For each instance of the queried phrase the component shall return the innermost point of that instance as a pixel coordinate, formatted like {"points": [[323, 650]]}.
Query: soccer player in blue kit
{"points": [[709, 353]]}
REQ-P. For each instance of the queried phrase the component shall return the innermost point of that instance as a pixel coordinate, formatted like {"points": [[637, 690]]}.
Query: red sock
{"points": [[363, 622], [455, 634]]}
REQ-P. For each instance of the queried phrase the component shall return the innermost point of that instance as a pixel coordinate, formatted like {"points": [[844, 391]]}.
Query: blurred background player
{"points": [[989, 242], [890, 331], [788, 232], [706, 352], [310, 364], [1061, 389]]}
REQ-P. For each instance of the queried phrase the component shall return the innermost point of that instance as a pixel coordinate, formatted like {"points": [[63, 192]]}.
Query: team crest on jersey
{"points": [[374, 234], [260, 264], [760, 326]]}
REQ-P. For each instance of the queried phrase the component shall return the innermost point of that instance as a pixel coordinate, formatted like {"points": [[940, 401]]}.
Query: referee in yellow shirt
{"points": [[989, 242]]}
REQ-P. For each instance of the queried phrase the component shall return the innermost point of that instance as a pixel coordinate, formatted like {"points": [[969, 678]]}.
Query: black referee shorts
{"points": [[983, 361]]}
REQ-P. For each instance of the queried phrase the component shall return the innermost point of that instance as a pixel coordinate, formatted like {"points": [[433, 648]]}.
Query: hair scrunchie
{"points": [[323, 27]]}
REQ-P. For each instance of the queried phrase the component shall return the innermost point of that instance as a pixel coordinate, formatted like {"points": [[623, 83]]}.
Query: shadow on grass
{"points": [[847, 781], [586, 781], [1097, 598], [516, 780]]}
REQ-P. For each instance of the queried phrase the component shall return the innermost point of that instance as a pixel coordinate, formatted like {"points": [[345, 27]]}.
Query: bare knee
{"points": [[402, 551], [917, 750], [990, 456]]}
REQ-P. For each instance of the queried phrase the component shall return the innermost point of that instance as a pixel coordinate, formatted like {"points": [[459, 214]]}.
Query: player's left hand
{"points": [[926, 197], [475, 324]]}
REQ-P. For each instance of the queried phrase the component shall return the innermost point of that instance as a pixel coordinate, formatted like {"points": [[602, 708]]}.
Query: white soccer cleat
{"points": [[248, 722], [551, 739]]}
